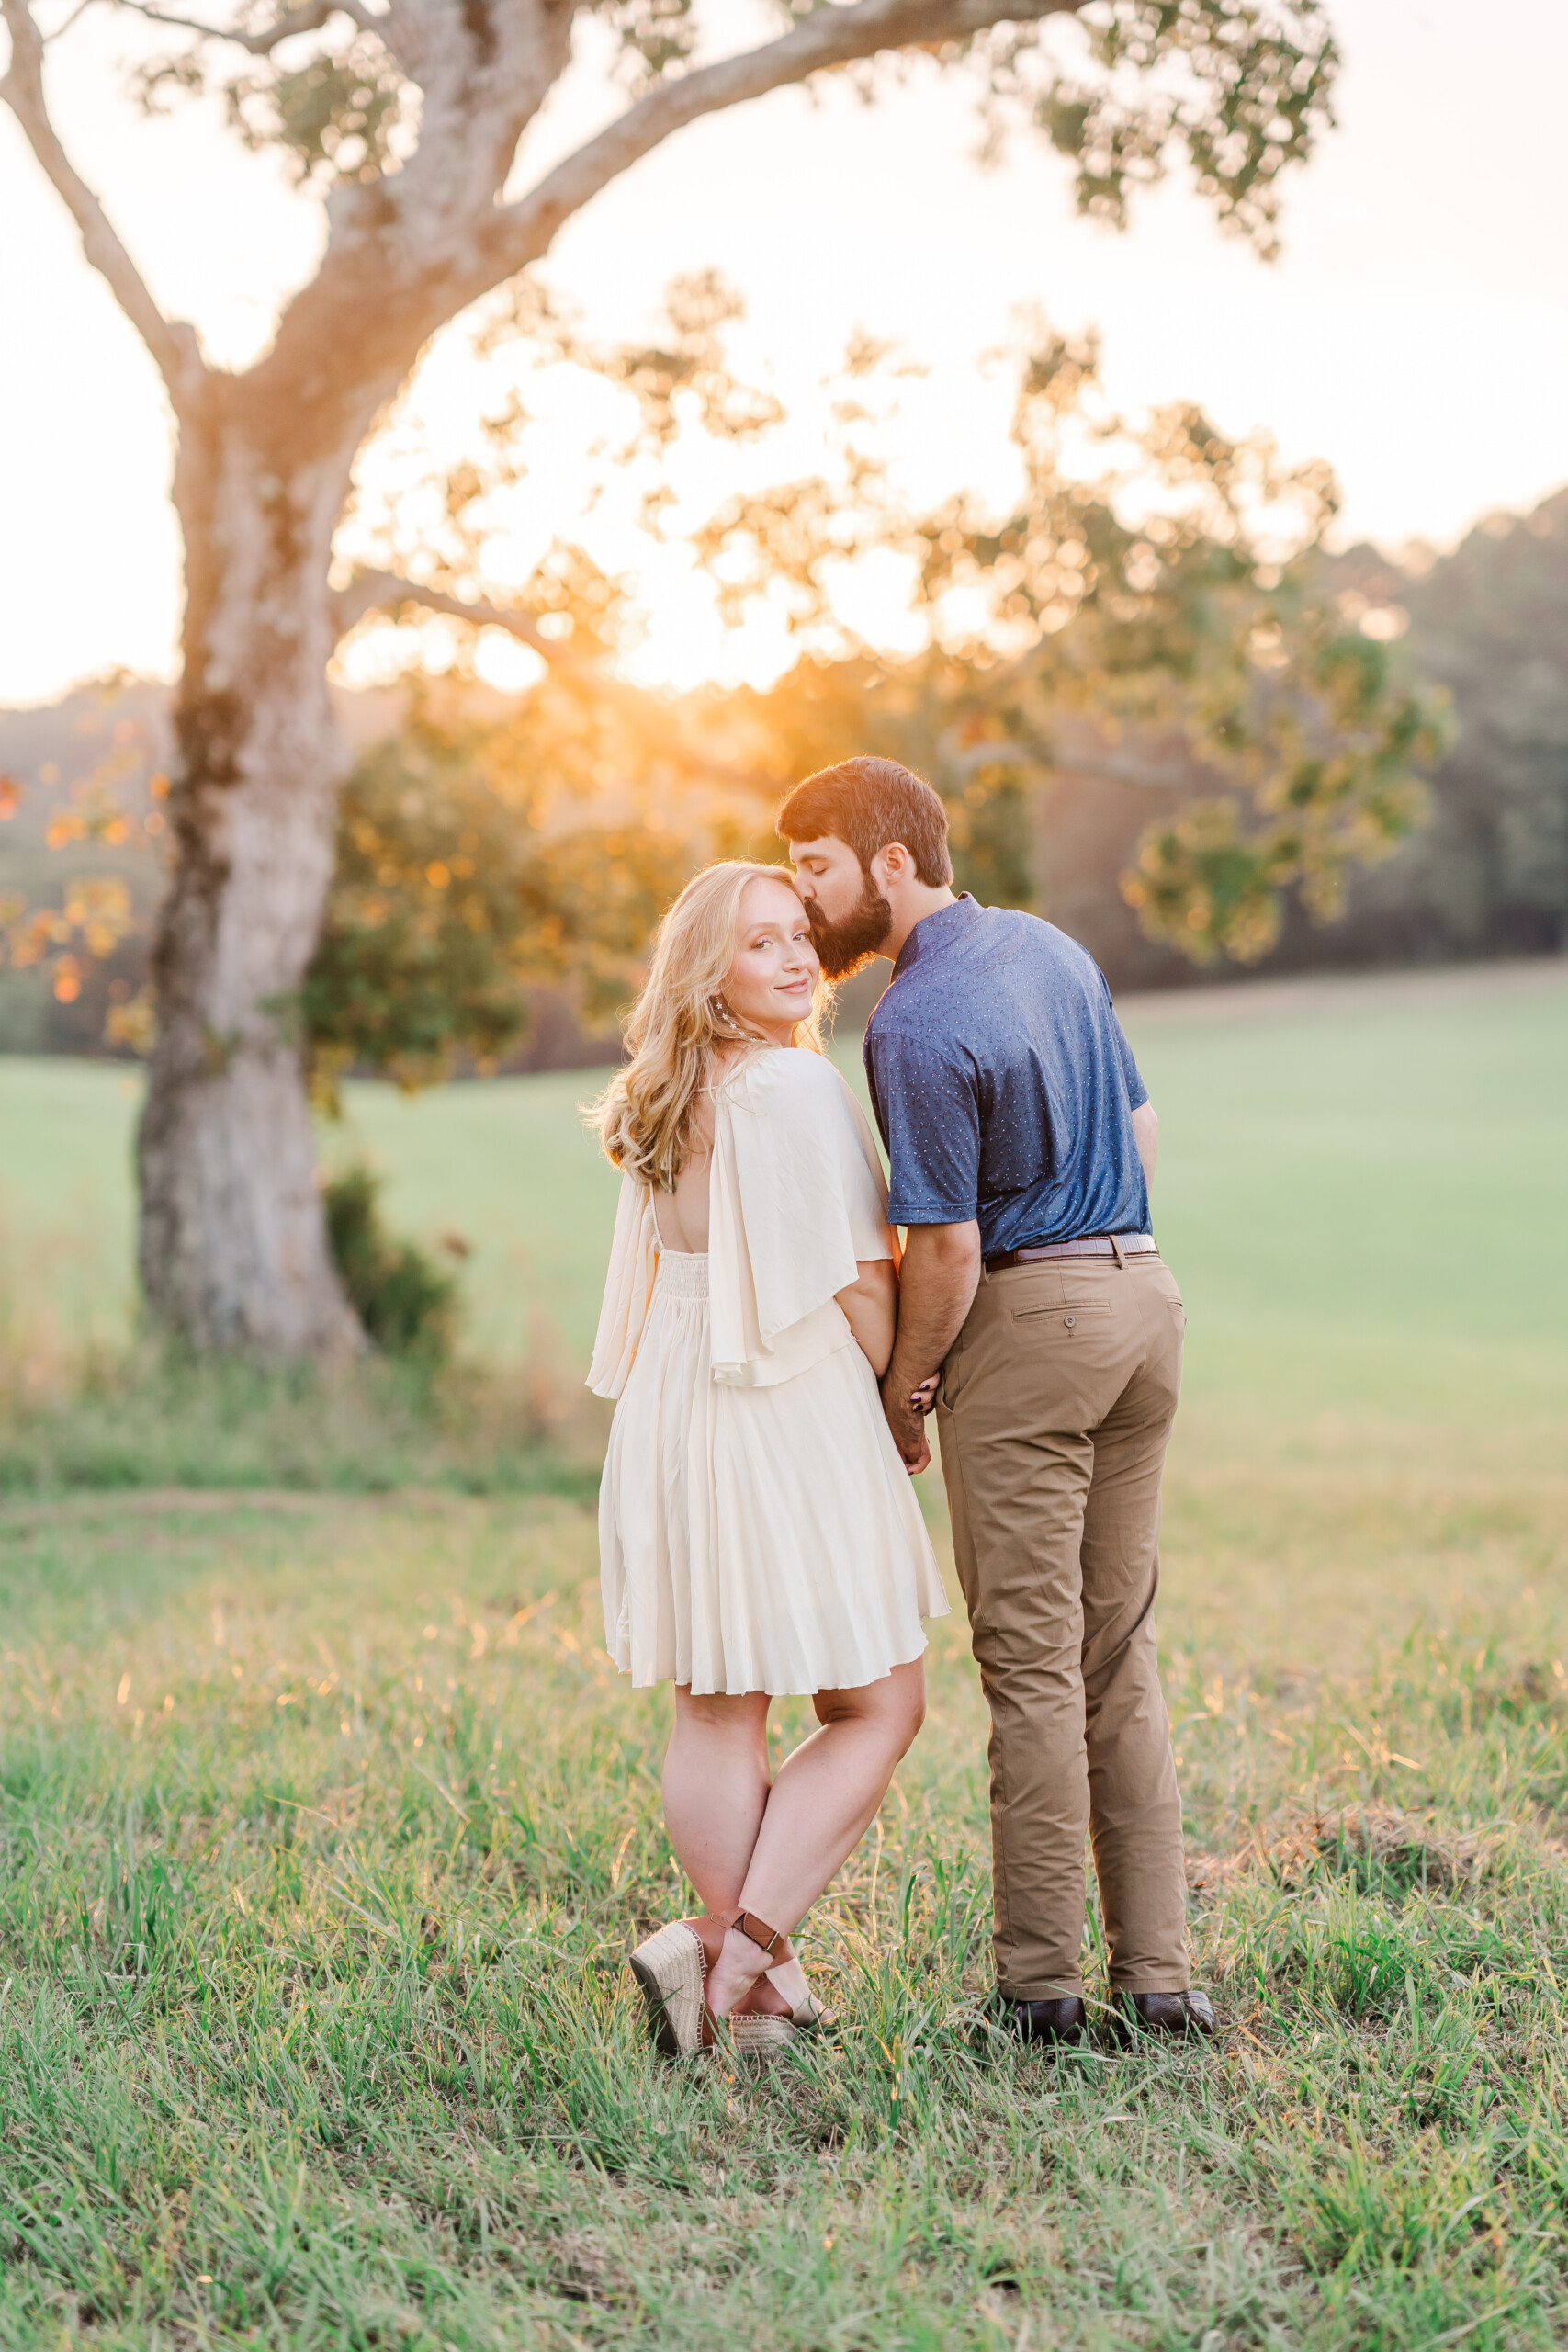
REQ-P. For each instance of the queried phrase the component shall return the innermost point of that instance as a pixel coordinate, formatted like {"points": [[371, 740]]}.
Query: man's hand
{"points": [[907, 1422], [941, 1272]]}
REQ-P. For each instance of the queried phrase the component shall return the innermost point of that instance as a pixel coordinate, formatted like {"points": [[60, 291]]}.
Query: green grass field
{"points": [[1357, 1189], [327, 1824]]}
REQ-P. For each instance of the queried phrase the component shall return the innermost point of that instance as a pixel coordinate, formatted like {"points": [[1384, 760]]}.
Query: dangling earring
{"points": [[721, 1013]]}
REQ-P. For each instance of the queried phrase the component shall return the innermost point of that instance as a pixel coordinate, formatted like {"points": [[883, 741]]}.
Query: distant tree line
{"points": [[1488, 873]]}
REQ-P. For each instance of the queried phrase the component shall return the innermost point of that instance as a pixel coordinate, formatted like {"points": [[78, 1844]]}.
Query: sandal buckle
{"points": [[757, 1931]]}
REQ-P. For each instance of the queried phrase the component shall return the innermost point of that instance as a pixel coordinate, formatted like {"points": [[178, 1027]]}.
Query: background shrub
{"points": [[406, 1302]]}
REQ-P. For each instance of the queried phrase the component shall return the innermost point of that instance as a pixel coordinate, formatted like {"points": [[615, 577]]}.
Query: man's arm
{"points": [[1145, 1131], [941, 1272]]}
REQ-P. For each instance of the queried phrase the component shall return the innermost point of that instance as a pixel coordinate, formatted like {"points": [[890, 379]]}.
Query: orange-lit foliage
{"points": [[89, 914], [93, 917], [461, 879], [1154, 579], [1156, 582]]}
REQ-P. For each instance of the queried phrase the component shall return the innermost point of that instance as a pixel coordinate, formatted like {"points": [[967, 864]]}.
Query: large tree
{"points": [[406, 116]]}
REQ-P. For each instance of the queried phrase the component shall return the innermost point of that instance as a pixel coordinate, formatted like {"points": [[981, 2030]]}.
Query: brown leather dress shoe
{"points": [[1057, 2020], [1175, 2015]]}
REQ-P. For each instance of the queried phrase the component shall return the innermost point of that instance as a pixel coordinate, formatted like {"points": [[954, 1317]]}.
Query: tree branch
{"points": [[406, 254], [373, 592], [309, 19], [173, 343], [831, 35], [65, 23], [384, 591]]}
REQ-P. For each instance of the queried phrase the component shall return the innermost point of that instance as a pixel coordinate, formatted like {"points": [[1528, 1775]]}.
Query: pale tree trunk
{"points": [[233, 1247]]}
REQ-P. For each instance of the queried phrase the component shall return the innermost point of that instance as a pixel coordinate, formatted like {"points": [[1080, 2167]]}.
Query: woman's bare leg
{"points": [[716, 1789], [716, 1792], [821, 1805]]}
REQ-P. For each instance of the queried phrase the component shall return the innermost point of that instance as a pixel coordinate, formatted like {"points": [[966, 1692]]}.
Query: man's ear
{"points": [[891, 866]]}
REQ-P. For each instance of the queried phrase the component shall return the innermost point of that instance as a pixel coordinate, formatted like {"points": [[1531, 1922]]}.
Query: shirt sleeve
{"points": [[795, 1201], [1137, 1092], [628, 1287], [865, 1187], [928, 1111]]}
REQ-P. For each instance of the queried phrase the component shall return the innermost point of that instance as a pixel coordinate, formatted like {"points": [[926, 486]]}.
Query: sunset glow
{"points": [[1381, 352]]}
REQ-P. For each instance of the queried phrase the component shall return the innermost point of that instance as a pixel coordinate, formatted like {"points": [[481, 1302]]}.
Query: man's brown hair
{"points": [[868, 803]]}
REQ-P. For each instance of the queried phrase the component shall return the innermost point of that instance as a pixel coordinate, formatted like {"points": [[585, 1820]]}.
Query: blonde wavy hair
{"points": [[645, 1116]]}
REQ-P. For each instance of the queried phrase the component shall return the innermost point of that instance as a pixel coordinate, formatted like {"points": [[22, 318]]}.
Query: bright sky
{"points": [[1416, 332]]}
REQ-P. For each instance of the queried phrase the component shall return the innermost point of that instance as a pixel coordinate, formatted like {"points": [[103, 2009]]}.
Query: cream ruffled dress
{"points": [[757, 1529]]}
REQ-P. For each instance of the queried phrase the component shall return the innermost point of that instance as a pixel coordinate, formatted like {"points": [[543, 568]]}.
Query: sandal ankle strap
{"points": [[759, 1931]]}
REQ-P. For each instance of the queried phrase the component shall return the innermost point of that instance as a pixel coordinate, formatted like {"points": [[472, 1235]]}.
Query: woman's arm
{"points": [[871, 1307], [1145, 1133]]}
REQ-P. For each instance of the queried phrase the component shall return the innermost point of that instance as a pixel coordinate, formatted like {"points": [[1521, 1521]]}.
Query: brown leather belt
{"points": [[1129, 1245]]}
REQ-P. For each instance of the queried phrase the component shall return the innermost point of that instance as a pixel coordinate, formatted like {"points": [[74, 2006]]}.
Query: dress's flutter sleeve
{"points": [[628, 1287], [796, 1200]]}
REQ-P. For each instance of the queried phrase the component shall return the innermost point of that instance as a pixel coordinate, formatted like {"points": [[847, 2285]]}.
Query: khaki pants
{"points": [[1056, 1403]]}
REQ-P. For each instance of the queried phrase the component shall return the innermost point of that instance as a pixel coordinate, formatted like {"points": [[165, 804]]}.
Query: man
{"points": [[1023, 1143]]}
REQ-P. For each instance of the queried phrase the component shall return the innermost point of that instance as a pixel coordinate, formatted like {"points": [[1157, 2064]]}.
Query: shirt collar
{"points": [[934, 933]]}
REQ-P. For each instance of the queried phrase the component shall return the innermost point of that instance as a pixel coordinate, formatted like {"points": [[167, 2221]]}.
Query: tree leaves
{"points": [[342, 112], [335, 115], [453, 894], [657, 36], [1241, 90], [1157, 594], [1158, 585]]}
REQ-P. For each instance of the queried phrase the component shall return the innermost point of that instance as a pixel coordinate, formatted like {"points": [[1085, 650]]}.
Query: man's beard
{"points": [[845, 947]]}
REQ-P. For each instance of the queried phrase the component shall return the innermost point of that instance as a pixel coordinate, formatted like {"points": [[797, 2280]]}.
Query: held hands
{"points": [[906, 1410]]}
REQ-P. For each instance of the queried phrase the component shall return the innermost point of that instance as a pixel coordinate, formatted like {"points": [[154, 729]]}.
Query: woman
{"points": [[757, 1532]]}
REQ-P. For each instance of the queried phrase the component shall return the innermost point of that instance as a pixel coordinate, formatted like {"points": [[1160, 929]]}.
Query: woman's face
{"points": [[770, 985]]}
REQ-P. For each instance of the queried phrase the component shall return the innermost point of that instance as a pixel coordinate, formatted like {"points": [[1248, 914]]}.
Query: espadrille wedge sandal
{"points": [[671, 1970], [757, 2036]]}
